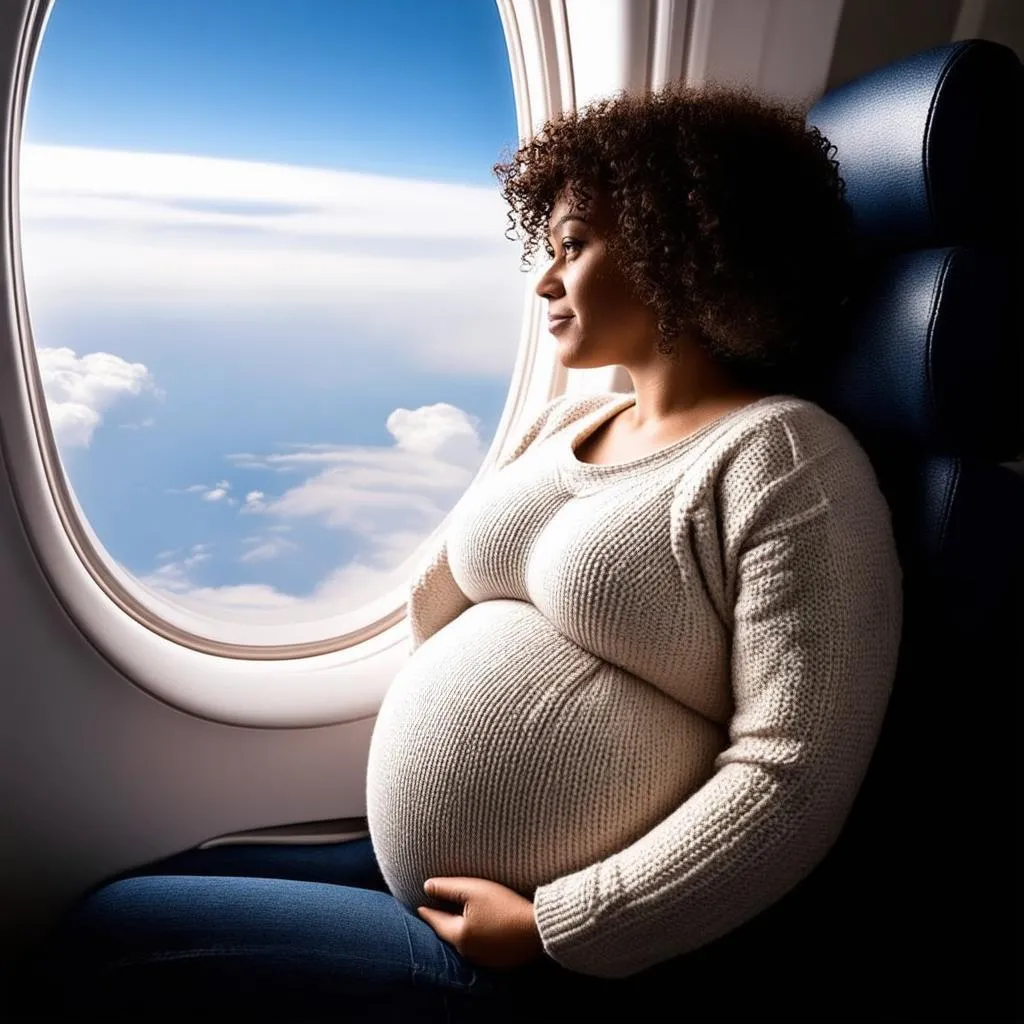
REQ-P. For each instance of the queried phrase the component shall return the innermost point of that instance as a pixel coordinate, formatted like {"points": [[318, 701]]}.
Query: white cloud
{"points": [[424, 263], [169, 577], [264, 549], [243, 602], [440, 431], [392, 497], [257, 596], [73, 424], [368, 490], [342, 590], [172, 575], [80, 389], [218, 492], [240, 602]]}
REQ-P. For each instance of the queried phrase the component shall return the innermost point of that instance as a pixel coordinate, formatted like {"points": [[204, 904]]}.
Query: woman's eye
{"points": [[569, 245]]}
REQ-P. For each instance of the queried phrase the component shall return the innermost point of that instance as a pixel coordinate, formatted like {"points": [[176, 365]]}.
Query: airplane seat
{"points": [[931, 383], [914, 906]]}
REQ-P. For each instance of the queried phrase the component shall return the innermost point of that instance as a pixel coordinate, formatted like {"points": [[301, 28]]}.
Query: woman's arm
{"points": [[814, 587]]}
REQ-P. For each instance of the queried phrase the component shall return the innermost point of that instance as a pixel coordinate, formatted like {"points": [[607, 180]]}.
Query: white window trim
{"points": [[562, 52]]}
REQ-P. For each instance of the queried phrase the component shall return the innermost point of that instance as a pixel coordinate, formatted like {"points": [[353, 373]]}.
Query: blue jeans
{"points": [[286, 933]]}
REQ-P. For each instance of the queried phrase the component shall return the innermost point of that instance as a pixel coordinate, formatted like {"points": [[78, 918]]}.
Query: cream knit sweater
{"points": [[643, 695]]}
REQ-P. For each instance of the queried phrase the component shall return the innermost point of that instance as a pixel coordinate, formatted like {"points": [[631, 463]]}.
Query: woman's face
{"points": [[593, 311]]}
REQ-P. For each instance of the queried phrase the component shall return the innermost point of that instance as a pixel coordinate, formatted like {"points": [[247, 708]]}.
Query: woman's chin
{"points": [[573, 359], [569, 353]]}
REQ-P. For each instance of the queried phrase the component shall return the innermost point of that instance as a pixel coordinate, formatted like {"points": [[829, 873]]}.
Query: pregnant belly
{"points": [[503, 750]]}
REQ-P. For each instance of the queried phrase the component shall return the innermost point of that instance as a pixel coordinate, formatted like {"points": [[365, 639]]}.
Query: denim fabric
{"points": [[283, 933]]}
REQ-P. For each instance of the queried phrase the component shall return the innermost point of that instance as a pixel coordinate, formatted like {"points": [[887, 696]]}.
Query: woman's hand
{"points": [[496, 927]]}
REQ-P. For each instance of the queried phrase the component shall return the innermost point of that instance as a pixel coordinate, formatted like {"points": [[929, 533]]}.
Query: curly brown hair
{"points": [[731, 221]]}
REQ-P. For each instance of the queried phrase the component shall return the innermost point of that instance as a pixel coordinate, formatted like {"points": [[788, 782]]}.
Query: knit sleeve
{"points": [[813, 586], [435, 599]]}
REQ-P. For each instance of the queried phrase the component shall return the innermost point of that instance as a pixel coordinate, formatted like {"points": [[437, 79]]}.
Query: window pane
{"points": [[275, 311]]}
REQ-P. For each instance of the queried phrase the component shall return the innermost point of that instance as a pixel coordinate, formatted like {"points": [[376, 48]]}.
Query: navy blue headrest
{"points": [[929, 153], [928, 146]]}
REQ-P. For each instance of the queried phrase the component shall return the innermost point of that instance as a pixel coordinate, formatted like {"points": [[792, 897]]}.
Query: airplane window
{"points": [[274, 310]]}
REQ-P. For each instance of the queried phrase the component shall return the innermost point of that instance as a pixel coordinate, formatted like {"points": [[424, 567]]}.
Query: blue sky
{"points": [[274, 309], [301, 82]]}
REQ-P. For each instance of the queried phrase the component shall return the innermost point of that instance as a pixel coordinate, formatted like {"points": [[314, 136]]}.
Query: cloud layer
{"points": [[390, 497], [425, 264]]}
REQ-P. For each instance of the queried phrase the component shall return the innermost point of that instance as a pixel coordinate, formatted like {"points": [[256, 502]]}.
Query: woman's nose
{"points": [[549, 286]]}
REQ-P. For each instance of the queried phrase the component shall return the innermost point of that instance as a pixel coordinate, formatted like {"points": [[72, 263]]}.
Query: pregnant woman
{"points": [[651, 653]]}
